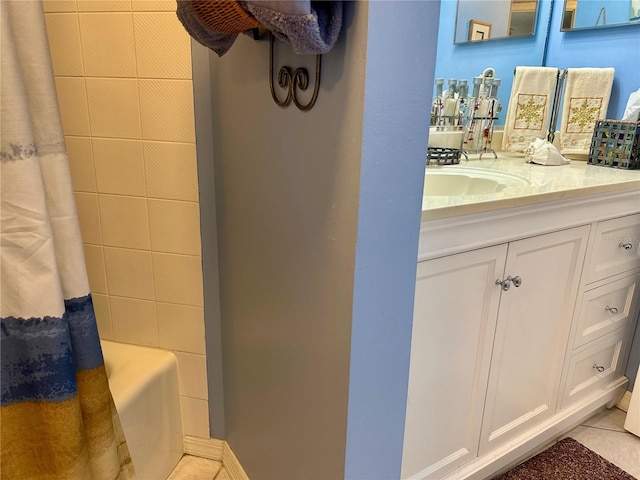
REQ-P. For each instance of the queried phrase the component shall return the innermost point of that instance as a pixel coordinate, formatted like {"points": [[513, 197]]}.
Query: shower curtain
{"points": [[57, 417]]}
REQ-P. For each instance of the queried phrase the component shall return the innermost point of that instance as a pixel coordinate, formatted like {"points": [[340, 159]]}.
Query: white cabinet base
{"points": [[519, 448]]}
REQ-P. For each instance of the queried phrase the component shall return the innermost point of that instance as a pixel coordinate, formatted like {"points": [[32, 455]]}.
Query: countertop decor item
{"points": [[615, 144]]}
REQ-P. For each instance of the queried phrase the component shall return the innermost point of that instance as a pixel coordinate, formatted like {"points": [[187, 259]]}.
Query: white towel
{"points": [[586, 98], [529, 107]]}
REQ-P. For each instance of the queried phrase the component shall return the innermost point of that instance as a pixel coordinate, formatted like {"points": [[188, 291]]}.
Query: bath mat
{"points": [[566, 460]]}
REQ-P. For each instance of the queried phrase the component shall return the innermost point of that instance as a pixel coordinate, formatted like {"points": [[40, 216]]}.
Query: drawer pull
{"points": [[626, 246], [613, 310], [600, 368]]}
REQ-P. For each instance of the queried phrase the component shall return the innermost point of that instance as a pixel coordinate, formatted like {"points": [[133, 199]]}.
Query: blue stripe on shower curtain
{"points": [[40, 356]]}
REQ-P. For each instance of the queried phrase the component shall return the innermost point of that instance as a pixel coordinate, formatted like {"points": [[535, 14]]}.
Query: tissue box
{"points": [[615, 144]]}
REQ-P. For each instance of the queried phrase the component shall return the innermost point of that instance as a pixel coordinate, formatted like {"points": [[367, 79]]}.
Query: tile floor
{"points": [[196, 468], [603, 433]]}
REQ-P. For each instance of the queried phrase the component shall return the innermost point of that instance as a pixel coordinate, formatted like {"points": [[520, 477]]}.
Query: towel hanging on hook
{"points": [[309, 27]]}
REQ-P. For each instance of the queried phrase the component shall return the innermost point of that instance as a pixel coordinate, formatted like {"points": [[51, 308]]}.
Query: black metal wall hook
{"points": [[292, 81]]}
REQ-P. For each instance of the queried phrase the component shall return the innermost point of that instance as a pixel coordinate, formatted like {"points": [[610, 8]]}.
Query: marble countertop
{"points": [[547, 183]]}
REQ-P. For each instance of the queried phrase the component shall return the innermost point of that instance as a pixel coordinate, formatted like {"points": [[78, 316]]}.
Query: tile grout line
{"points": [[611, 429]]}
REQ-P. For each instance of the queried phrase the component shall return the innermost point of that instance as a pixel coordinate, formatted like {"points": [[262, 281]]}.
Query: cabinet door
{"points": [[532, 332], [453, 327]]}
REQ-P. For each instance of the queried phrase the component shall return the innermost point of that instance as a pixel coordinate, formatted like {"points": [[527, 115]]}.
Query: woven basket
{"points": [[443, 156], [224, 16], [615, 144]]}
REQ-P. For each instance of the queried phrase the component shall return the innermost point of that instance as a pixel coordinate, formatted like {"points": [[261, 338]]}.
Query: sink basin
{"points": [[454, 180]]}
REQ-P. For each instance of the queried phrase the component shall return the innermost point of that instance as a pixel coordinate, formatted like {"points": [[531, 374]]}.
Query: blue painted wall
{"points": [[616, 47], [466, 61], [394, 141]]}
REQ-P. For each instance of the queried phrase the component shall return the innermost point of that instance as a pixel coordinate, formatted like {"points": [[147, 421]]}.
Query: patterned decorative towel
{"points": [[586, 98], [529, 107]]}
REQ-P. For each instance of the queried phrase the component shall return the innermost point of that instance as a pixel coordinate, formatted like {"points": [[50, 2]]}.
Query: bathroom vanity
{"points": [[527, 294]]}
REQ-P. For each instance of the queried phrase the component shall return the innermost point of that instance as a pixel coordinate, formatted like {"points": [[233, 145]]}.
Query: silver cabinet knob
{"points": [[626, 246], [613, 310], [506, 283], [600, 368]]}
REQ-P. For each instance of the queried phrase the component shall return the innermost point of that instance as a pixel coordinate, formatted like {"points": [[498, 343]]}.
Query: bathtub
{"points": [[144, 385]]}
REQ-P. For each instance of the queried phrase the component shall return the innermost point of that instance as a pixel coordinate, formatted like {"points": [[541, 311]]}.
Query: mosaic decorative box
{"points": [[615, 144], [443, 156]]}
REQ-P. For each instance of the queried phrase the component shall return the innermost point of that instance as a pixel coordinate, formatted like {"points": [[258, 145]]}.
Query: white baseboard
{"points": [[623, 404], [218, 450], [231, 463], [210, 448]]}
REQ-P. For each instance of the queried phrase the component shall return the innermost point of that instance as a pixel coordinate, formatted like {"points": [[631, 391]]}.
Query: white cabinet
{"points": [[486, 361], [498, 374], [607, 311], [454, 322], [534, 323]]}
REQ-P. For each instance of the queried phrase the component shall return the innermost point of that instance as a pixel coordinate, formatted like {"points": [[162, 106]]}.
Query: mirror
{"points": [[479, 20], [583, 14]]}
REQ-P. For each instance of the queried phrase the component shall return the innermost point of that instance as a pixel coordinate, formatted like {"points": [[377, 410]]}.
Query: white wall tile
{"points": [[174, 226], [163, 46], [166, 109], [94, 258], [171, 170], [134, 321], [195, 417], [108, 44], [178, 278], [104, 5], [129, 273], [59, 5], [89, 217], [124, 221], [72, 100], [192, 375], [153, 5], [181, 328], [114, 109], [119, 166], [80, 154], [103, 315], [64, 44]]}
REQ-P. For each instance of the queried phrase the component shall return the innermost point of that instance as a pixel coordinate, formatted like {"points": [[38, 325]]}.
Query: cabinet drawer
{"points": [[616, 247], [607, 308], [595, 366]]}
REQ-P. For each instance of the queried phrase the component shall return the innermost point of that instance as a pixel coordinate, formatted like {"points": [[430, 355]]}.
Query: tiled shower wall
{"points": [[123, 76]]}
